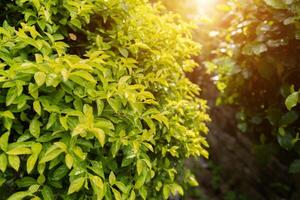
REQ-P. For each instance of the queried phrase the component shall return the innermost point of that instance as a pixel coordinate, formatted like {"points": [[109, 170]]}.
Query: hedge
{"points": [[94, 101]]}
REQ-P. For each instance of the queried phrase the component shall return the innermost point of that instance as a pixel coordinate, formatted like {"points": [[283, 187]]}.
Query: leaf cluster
{"points": [[256, 67], [94, 101]]}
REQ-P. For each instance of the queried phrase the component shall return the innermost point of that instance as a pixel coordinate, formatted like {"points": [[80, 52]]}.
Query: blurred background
{"points": [[249, 73]]}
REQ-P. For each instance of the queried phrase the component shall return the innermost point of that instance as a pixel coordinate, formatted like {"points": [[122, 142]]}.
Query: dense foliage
{"points": [[256, 66], [94, 101]]}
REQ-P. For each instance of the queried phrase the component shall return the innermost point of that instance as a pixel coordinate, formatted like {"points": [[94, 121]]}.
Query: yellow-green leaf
{"points": [[36, 4], [3, 162], [139, 166], [34, 128], [51, 155], [85, 75], [117, 194], [292, 100], [11, 96], [37, 107], [76, 185], [19, 195], [4, 141], [132, 195], [97, 181], [64, 122], [19, 151], [36, 148], [112, 178], [100, 135], [14, 162], [31, 163], [69, 160], [40, 78]]}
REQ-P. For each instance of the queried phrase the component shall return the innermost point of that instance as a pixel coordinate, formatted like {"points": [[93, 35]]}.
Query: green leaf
{"points": [[139, 166], [97, 181], [36, 4], [288, 118], [37, 107], [83, 74], [40, 78], [143, 192], [2, 181], [124, 52], [41, 179], [132, 195], [117, 194], [99, 191], [115, 104], [61, 145], [11, 96], [7, 114], [52, 80], [76, 185], [33, 90], [19, 195], [14, 162], [36, 148], [161, 118], [100, 106], [177, 189], [97, 168], [64, 122], [19, 151], [50, 155], [51, 120], [47, 193], [112, 178], [292, 100], [100, 135], [104, 124], [4, 141], [285, 141], [193, 182], [31, 163], [69, 160], [295, 167], [60, 173], [122, 186], [3, 162], [78, 151], [115, 148], [34, 188], [166, 191], [141, 180], [26, 182], [34, 128]]}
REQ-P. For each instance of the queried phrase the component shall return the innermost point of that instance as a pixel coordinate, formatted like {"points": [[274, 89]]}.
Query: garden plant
{"points": [[94, 101]]}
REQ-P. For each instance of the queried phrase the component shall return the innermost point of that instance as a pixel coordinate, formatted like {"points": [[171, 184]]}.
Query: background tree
{"points": [[251, 51]]}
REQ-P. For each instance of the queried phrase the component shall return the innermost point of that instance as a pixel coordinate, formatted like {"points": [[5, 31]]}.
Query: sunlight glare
{"points": [[205, 6]]}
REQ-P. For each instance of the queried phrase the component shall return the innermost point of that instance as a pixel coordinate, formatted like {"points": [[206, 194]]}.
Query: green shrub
{"points": [[94, 100], [257, 67]]}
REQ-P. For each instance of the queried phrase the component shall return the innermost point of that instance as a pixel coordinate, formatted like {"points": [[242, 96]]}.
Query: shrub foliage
{"points": [[94, 101], [257, 68]]}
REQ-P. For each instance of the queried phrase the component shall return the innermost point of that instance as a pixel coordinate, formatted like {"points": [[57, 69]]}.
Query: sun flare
{"points": [[205, 6]]}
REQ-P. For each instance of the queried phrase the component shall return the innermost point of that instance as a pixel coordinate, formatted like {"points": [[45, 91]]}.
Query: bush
{"points": [[94, 101], [257, 67]]}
